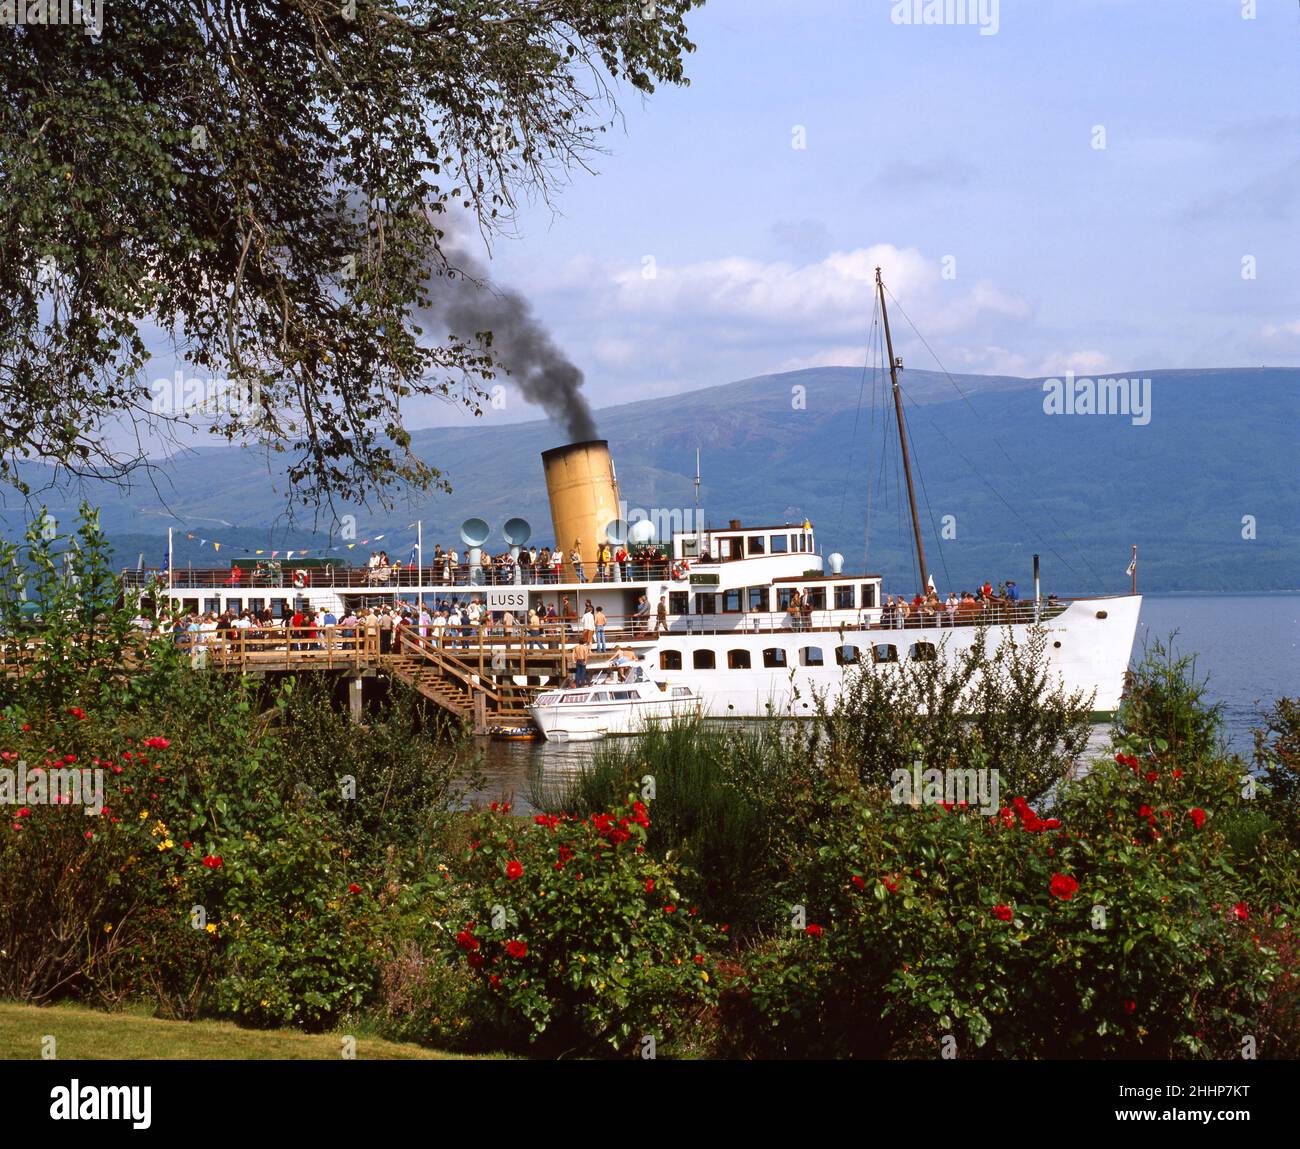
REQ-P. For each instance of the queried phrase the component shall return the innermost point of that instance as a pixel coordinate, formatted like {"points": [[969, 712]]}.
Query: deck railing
{"points": [[287, 577]]}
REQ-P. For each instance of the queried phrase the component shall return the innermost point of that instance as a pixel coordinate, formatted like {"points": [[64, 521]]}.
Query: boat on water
{"points": [[740, 621], [615, 701]]}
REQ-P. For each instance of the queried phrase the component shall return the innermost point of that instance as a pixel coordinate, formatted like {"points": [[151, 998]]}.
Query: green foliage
{"points": [[991, 702], [78, 637], [290, 241], [718, 796], [386, 785], [1164, 706], [1277, 757], [581, 937], [1014, 935], [298, 940]]}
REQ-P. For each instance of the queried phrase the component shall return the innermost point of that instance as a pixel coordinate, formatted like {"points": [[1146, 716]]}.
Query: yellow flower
{"points": [[265, 1002], [211, 927], [166, 844], [108, 927], [704, 974], [144, 814]]}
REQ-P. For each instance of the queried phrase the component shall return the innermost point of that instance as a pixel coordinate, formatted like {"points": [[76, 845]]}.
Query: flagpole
{"points": [[1133, 568], [170, 564], [419, 549]]}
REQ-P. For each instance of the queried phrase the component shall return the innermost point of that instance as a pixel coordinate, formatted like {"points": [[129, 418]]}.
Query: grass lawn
{"points": [[94, 1035]]}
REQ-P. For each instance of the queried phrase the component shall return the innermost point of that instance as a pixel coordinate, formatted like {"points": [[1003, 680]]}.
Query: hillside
{"points": [[1220, 445]]}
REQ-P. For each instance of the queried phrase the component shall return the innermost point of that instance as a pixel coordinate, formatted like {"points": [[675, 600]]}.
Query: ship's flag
{"points": [[1132, 566], [929, 581], [216, 546]]}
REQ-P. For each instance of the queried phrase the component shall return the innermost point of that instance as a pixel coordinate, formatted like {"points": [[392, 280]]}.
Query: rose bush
{"points": [[1115, 928], [579, 936]]}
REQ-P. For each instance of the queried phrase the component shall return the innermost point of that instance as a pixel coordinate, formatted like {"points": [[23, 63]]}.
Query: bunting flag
{"points": [[301, 552]]}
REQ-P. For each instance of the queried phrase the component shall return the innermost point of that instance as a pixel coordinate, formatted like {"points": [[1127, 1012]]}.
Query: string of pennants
{"points": [[299, 552]]}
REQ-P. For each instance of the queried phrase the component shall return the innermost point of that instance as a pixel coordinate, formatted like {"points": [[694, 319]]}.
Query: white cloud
{"points": [[834, 296]]}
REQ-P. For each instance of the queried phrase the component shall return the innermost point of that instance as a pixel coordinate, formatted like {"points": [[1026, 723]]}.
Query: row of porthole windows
{"points": [[776, 657]]}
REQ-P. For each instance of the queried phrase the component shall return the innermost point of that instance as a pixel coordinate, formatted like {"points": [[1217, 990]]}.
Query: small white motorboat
{"points": [[615, 700]]}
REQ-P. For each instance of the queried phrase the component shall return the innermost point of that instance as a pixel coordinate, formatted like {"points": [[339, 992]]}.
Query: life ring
{"points": [[300, 579]]}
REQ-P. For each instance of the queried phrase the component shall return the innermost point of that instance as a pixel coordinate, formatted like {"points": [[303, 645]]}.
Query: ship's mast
{"points": [[894, 365]]}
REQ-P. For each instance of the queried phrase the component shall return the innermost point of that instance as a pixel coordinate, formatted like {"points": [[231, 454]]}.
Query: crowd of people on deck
{"points": [[450, 566], [929, 609]]}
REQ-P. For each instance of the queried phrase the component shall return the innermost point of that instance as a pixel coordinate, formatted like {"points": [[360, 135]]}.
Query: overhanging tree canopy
{"points": [[268, 183]]}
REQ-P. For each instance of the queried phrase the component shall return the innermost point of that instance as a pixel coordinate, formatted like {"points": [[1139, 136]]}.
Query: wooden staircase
{"points": [[455, 685]]}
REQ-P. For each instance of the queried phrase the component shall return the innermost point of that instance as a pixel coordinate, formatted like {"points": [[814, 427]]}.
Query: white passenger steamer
{"points": [[727, 644]]}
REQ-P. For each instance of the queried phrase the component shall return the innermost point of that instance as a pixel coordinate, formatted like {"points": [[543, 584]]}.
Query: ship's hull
{"points": [[1088, 646]]}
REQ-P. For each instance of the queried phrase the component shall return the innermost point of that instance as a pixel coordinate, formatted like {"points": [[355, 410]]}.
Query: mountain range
{"points": [[1207, 487]]}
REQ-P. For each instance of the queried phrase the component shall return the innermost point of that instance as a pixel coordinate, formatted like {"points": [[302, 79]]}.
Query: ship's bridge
{"points": [[792, 542]]}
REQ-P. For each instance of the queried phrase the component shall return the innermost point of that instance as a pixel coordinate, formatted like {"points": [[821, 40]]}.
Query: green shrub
{"points": [[718, 794], [580, 937], [1277, 758], [999, 703], [298, 940], [1014, 935]]}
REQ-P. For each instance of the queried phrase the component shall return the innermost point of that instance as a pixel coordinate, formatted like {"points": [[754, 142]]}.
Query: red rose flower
{"points": [[517, 949], [1063, 886], [1151, 775], [813, 930], [467, 941], [1002, 913], [212, 862], [157, 743], [1130, 1007], [495, 980], [475, 960], [1242, 911], [1197, 815], [353, 888], [76, 713], [670, 909], [859, 881], [649, 885], [514, 869]]}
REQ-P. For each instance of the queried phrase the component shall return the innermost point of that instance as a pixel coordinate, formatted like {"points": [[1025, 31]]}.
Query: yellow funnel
{"points": [[583, 489]]}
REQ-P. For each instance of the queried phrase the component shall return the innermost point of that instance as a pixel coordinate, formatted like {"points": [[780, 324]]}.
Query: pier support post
{"points": [[354, 698], [480, 713]]}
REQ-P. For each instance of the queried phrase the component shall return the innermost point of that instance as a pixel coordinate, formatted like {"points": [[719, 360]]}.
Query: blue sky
{"points": [[926, 142], [707, 248]]}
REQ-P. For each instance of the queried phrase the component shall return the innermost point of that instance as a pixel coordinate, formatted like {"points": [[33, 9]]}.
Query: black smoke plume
{"points": [[467, 303]]}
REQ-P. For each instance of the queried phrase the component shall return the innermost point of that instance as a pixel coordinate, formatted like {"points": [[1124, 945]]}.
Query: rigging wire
{"points": [[853, 438], [1082, 553], [929, 510], [1047, 546]]}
